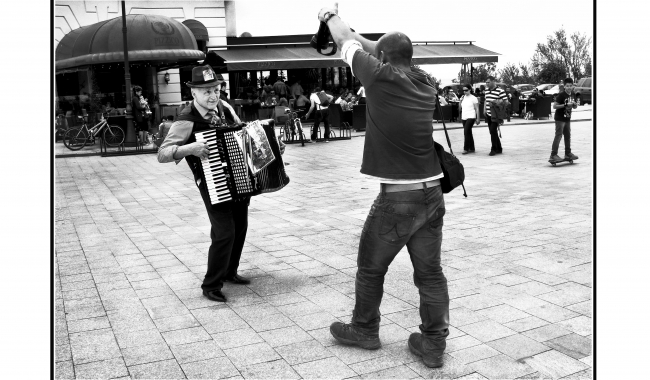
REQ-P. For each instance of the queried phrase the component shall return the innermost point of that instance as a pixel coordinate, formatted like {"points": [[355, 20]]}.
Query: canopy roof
{"points": [[301, 55], [198, 29], [153, 38]]}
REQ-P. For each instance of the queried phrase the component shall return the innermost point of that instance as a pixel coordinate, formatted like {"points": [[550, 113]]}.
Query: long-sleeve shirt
{"points": [[180, 132]]}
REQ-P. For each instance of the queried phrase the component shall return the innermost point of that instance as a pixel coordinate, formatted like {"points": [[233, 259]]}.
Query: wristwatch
{"points": [[328, 16]]}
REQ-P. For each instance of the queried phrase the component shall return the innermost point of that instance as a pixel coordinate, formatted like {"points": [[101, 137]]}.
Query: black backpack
{"points": [[324, 100]]}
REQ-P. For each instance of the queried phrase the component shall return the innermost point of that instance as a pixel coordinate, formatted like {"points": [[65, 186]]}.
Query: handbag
{"points": [[453, 170]]}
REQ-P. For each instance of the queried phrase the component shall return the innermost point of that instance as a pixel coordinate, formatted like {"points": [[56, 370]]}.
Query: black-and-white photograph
{"points": [[438, 222]]}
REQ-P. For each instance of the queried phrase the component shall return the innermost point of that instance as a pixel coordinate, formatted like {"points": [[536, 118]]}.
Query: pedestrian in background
{"points": [[493, 94], [322, 113], [563, 106], [469, 114]]}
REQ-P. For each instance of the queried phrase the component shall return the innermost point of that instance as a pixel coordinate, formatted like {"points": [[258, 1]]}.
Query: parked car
{"points": [[524, 87], [582, 91], [524, 90], [541, 88], [553, 91]]}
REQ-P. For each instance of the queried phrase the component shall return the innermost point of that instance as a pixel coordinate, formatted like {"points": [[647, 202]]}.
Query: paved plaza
{"points": [[131, 251]]}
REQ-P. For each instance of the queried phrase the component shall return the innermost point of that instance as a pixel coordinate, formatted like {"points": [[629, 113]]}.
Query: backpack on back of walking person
{"points": [[324, 100]]}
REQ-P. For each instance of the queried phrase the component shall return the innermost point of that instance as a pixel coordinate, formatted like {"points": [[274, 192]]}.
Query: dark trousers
{"points": [[562, 128], [411, 218], [469, 137], [324, 115], [493, 126], [229, 223]]}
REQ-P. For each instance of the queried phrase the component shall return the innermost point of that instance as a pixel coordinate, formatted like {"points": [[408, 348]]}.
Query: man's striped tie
{"points": [[212, 116]]}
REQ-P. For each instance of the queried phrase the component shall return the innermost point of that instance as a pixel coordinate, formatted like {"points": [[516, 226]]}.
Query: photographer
{"points": [[399, 155]]}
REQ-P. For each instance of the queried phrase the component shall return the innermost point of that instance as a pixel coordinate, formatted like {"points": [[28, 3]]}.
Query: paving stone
{"points": [[461, 343], [573, 345], [452, 368], [584, 308], [284, 336], [186, 353], [314, 321], [462, 316], [278, 369], [552, 313], [352, 354], [138, 338], [518, 346], [215, 368], [391, 333], [146, 354], [548, 332], [503, 313], [525, 324], [472, 376], [270, 322], [80, 325], [166, 369], [501, 367], [582, 375], [62, 352], [399, 372], [105, 369], [374, 365], [554, 364], [178, 322], [477, 302], [64, 370], [190, 335], [331, 368], [474, 353], [237, 338], [251, 354], [95, 345], [302, 352], [580, 325], [486, 331]]}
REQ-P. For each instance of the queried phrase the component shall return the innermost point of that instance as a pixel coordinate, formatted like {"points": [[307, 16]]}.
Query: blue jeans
{"points": [[562, 128], [411, 218]]}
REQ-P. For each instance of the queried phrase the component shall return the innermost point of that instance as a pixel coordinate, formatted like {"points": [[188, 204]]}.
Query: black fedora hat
{"points": [[204, 76]]}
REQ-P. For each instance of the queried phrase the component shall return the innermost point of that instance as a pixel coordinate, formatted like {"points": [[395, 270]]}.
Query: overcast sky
{"points": [[510, 28]]}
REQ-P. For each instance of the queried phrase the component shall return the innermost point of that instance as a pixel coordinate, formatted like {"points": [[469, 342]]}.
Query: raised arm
{"points": [[341, 32]]}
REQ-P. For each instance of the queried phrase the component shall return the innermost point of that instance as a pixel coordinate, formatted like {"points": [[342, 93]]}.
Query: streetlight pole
{"points": [[130, 138]]}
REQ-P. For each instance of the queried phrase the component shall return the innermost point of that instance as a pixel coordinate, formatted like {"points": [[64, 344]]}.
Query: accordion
{"points": [[230, 171]]}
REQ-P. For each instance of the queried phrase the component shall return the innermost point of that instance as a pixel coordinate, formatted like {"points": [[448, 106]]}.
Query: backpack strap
{"points": [[443, 121]]}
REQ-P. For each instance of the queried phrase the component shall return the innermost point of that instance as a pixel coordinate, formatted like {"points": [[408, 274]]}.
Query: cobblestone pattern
{"points": [[131, 248]]}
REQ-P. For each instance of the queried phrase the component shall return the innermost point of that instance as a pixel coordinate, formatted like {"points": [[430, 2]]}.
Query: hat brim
{"points": [[212, 83]]}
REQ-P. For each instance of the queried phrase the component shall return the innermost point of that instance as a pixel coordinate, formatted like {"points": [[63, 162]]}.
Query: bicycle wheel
{"points": [[287, 131], [299, 131], [113, 135], [75, 138]]}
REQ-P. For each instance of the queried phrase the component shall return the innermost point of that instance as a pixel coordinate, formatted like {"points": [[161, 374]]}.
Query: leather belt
{"points": [[393, 188]]}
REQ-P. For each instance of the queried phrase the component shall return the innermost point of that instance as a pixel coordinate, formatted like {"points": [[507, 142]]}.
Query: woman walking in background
{"points": [[469, 114]]}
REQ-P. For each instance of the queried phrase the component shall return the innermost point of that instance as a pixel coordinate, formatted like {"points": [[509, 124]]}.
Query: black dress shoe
{"points": [[492, 153], [237, 279], [215, 295]]}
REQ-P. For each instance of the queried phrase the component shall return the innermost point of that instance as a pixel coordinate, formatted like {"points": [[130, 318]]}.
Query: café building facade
{"points": [[165, 39]]}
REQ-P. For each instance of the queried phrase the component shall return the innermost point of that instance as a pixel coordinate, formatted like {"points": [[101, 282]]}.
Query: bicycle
{"points": [[77, 138], [293, 127]]}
